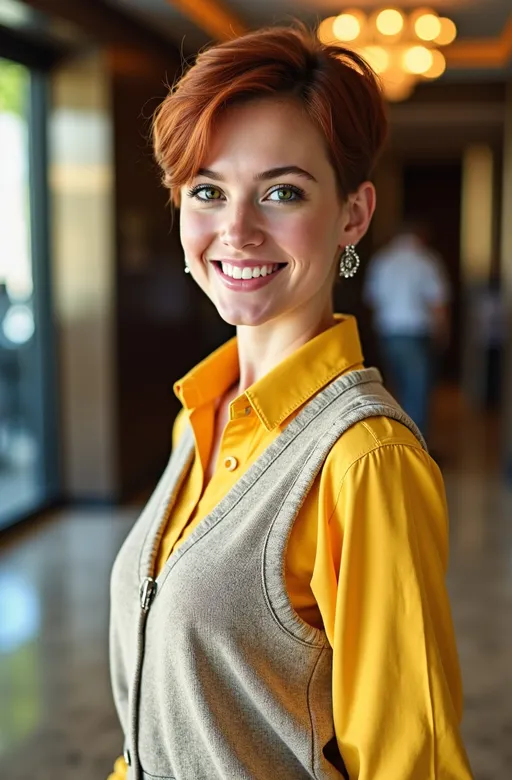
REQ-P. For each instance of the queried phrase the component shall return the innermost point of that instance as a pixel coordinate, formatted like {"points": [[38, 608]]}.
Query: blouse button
{"points": [[230, 463]]}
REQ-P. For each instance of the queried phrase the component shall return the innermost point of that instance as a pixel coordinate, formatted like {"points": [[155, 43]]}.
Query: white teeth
{"points": [[248, 272]]}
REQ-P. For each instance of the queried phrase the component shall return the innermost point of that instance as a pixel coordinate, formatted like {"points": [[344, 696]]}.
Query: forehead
{"points": [[266, 133]]}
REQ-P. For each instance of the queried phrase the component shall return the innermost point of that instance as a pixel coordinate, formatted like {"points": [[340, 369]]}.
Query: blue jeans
{"points": [[410, 363]]}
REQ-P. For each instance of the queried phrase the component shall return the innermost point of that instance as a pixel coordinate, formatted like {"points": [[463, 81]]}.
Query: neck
{"points": [[261, 348]]}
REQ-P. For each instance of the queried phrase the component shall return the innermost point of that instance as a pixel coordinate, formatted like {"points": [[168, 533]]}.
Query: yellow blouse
{"points": [[366, 558]]}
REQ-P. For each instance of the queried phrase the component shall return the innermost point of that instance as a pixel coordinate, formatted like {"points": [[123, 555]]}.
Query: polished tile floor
{"points": [[57, 721]]}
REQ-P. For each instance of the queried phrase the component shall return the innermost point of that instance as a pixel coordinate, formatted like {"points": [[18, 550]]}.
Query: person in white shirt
{"points": [[408, 292]]}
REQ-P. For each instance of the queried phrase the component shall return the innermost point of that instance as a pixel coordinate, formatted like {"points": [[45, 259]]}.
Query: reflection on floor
{"points": [[57, 721]]}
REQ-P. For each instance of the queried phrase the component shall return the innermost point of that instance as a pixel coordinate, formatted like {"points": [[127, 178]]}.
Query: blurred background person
{"points": [[409, 294]]}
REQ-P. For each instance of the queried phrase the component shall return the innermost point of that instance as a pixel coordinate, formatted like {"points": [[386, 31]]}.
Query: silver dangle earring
{"points": [[349, 262]]}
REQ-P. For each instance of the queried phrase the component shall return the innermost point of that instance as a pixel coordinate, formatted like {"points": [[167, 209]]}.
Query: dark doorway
{"points": [[432, 193]]}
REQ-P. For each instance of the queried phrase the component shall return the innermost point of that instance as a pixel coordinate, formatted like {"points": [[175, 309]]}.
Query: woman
{"points": [[279, 610]]}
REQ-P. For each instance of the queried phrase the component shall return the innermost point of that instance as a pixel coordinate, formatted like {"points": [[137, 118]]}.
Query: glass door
{"points": [[24, 479]]}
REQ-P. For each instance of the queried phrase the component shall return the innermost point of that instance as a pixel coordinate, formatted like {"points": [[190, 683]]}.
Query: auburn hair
{"points": [[336, 87]]}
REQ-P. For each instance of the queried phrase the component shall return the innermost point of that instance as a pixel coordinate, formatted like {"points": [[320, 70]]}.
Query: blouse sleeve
{"points": [[397, 694]]}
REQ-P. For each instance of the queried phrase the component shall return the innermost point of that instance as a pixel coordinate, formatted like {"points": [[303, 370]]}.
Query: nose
{"points": [[241, 228]]}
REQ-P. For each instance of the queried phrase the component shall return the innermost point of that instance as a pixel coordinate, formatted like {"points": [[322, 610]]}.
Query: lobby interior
{"points": [[100, 312]]}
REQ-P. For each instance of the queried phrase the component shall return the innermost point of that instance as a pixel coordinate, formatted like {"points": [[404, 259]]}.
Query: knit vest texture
{"points": [[215, 676]]}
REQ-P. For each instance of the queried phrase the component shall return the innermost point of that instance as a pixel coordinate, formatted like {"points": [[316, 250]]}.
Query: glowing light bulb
{"points": [[427, 27], [346, 27], [390, 22], [418, 60], [448, 31], [438, 66], [325, 33]]}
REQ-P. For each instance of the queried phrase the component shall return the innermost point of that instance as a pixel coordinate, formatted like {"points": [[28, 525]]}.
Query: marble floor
{"points": [[57, 721]]}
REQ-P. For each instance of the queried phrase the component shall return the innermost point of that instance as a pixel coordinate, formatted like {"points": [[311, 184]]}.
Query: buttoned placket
{"points": [[233, 452]]}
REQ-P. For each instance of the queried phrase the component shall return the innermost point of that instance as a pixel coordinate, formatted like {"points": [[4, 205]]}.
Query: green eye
{"points": [[286, 194], [282, 195], [205, 193], [210, 193]]}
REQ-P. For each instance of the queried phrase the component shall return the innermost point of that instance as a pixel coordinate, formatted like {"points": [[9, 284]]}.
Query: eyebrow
{"points": [[273, 173]]}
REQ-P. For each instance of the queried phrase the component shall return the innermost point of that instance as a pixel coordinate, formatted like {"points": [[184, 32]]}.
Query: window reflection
{"points": [[21, 487]]}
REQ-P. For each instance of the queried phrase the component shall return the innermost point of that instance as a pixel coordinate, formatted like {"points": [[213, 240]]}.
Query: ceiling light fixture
{"points": [[346, 27], [389, 22], [448, 31], [402, 48], [428, 27]]}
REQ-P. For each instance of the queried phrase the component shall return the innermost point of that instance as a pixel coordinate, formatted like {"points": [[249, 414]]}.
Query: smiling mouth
{"points": [[248, 272]]}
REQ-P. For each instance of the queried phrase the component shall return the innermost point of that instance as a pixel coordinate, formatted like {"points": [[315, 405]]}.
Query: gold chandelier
{"points": [[402, 48]]}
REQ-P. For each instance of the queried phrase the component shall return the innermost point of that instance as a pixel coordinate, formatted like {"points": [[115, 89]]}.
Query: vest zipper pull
{"points": [[147, 592]]}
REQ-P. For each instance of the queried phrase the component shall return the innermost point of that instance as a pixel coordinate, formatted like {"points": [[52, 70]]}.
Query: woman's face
{"points": [[262, 225]]}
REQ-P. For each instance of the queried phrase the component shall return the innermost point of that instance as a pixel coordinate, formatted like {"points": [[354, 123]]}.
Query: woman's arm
{"points": [[397, 694]]}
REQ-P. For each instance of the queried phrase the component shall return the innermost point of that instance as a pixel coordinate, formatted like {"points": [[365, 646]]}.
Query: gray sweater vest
{"points": [[215, 676]]}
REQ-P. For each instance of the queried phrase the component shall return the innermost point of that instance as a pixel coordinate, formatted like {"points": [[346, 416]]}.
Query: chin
{"points": [[250, 316]]}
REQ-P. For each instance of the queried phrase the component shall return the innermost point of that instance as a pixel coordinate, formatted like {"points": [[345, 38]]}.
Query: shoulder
{"points": [[378, 441], [378, 476]]}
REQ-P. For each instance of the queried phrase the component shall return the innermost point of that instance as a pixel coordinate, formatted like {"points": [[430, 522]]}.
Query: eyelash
{"points": [[297, 191]]}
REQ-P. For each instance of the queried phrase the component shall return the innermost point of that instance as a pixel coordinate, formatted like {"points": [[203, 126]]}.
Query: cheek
{"points": [[312, 232], [196, 232]]}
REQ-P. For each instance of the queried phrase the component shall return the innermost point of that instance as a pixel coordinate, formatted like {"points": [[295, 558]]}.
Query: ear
{"points": [[359, 209]]}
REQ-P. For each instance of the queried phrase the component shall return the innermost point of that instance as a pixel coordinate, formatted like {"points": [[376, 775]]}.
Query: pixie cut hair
{"points": [[336, 88]]}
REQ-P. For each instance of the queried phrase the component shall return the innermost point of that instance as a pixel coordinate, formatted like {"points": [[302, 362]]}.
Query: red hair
{"points": [[336, 87]]}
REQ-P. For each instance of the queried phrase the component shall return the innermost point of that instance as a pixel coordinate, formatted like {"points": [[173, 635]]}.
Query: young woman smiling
{"points": [[279, 610]]}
